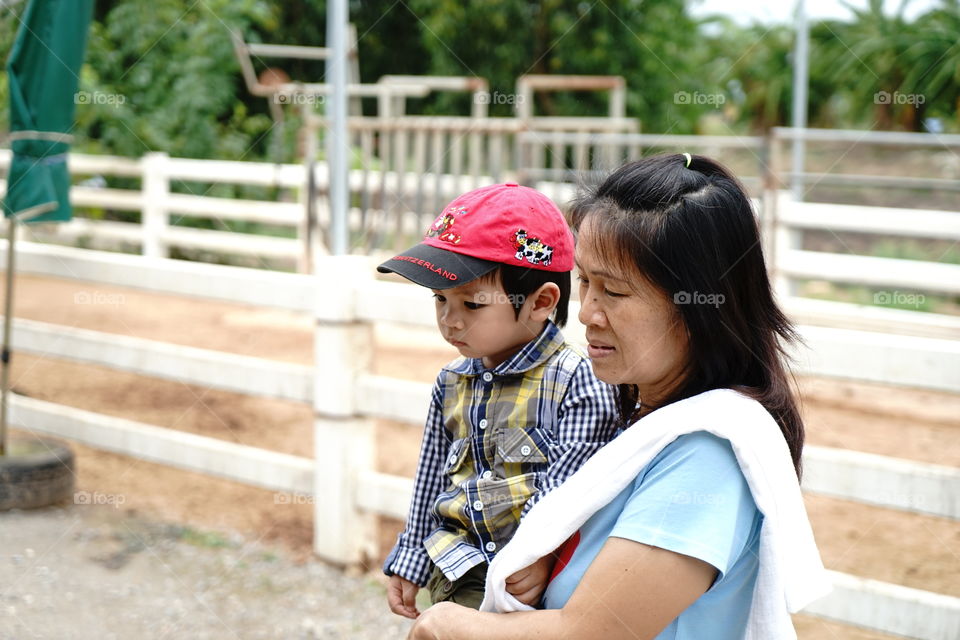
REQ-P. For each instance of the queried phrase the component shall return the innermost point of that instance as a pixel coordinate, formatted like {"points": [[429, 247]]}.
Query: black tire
{"points": [[36, 472]]}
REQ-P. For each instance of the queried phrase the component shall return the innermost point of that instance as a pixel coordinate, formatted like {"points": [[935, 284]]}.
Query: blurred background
{"points": [[243, 396]]}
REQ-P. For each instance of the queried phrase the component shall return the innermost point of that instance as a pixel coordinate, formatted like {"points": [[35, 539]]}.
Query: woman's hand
{"points": [[527, 585], [631, 591], [440, 622]]}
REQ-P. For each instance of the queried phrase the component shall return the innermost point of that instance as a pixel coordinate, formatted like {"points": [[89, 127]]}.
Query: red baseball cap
{"points": [[483, 229]]}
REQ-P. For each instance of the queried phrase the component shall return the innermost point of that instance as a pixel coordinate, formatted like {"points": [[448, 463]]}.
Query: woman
{"points": [[690, 524]]}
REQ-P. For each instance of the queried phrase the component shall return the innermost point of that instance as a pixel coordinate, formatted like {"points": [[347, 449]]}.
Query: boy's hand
{"points": [[402, 597], [527, 585]]}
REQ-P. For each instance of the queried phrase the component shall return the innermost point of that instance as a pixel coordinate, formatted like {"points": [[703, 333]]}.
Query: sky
{"points": [[747, 11]]}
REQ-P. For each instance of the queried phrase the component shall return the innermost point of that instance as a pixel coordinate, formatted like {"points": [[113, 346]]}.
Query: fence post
{"points": [[785, 240], [156, 190], [343, 442], [770, 185], [780, 238]]}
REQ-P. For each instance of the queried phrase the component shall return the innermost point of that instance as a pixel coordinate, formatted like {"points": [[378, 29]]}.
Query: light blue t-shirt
{"points": [[692, 499]]}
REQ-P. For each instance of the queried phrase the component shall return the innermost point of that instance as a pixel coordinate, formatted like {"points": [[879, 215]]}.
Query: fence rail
{"points": [[928, 362], [190, 365], [862, 477], [212, 456], [889, 608], [406, 168]]}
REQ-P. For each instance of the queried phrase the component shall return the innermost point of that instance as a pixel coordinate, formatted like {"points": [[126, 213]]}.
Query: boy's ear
{"points": [[543, 301]]}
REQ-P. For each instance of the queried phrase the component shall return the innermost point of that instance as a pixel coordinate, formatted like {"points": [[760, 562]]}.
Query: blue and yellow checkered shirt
{"points": [[496, 441]]}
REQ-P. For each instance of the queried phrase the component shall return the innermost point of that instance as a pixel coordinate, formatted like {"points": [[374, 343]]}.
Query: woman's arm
{"points": [[631, 591]]}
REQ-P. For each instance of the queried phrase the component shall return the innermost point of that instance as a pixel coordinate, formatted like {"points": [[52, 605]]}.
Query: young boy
{"points": [[516, 415]]}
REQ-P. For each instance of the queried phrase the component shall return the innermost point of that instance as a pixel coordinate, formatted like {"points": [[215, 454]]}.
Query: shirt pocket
{"points": [[521, 450], [503, 501], [456, 457]]}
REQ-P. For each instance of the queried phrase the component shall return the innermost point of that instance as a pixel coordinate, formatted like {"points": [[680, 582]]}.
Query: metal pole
{"points": [[800, 63], [7, 322], [311, 232], [337, 149]]}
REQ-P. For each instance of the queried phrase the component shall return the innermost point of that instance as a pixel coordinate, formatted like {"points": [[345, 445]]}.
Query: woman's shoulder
{"points": [[701, 444], [731, 414], [692, 458]]}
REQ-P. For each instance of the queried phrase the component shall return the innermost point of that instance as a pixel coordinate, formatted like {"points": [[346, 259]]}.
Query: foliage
{"points": [[173, 71], [650, 44], [163, 76], [751, 64], [893, 73]]}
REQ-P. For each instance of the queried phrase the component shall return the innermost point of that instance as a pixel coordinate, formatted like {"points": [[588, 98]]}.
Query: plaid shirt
{"points": [[495, 442]]}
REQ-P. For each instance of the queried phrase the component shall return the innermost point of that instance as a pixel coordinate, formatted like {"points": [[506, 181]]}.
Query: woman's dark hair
{"points": [[691, 232], [519, 282]]}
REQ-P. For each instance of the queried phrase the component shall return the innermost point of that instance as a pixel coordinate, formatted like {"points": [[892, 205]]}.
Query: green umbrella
{"points": [[42, 71]]}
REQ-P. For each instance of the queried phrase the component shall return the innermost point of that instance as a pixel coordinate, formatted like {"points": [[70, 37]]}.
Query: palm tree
{"points": [[868, 58], [755, 59], [934, 61]]}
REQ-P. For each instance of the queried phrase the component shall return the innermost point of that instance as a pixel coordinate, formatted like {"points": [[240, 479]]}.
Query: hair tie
{"points": [[688, 160]]}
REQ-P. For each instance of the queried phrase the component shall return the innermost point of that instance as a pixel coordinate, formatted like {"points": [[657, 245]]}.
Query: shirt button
{"points": [[478, 506], [490, 546], [487, 376], [525, 450], [453, 459], [487, 475], [483, 423]]}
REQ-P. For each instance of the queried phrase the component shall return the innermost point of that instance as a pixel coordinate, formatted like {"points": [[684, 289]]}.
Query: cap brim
{"points": [[437, 268]]}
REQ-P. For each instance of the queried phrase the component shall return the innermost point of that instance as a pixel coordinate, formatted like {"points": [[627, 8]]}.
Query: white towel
{"points": [[791, 574]]}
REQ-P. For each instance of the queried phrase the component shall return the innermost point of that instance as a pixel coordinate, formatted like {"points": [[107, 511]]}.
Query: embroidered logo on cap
{"points": [[532, 249], [440, 228]]}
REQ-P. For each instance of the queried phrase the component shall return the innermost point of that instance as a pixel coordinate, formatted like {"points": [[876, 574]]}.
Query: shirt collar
{"points": [[533, 354]]}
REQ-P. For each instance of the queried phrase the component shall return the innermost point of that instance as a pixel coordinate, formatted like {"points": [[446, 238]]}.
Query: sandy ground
{"points": [[909, 549], [86, 571]]}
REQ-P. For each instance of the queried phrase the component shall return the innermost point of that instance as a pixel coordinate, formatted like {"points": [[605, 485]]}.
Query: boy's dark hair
{"points": [[519, 282]]}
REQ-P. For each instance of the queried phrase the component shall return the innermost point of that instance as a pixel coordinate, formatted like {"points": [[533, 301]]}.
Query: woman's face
{"points": [[634, 333]]}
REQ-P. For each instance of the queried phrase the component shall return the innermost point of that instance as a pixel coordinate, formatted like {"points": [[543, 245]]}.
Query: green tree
{"points": [[170, 70], [934, 57], [389, 39], [867, 58], [650, 44], [756, 60]]}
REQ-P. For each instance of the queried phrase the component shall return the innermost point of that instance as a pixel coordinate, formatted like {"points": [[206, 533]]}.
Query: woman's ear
{"points": [[543, 301]]}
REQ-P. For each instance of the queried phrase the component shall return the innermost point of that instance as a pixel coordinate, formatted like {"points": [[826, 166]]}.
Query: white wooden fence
{"points": [[348, 492], [409, 167]]}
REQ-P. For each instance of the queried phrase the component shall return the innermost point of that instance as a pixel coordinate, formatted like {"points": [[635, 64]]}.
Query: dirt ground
{"points": [[909, 549], [96, 572]]}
